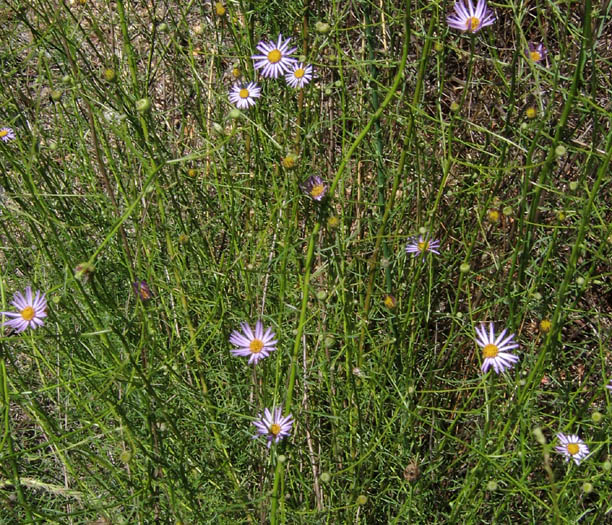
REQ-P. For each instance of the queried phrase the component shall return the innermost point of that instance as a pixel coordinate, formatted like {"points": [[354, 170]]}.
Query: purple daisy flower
{"points": [[7, 134], [420, 246], [495, 350], [256, 345], [31, 311], [273, 425], [572, 447], [275, 58], [536, 52], [466, 18]]}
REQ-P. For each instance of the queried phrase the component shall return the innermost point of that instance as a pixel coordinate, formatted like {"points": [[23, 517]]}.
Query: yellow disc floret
{"points": [[275, 429], [3, 133], [472, 23], [219, 9], [256, 346], [490, 351], [299, 73], [423, 246], [535, 56], [573, 448], [244, 93], [317, 190], [274, 56], [28, 313]]}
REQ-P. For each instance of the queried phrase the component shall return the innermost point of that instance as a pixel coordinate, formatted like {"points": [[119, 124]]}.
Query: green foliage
{"points": [[129, 164]]}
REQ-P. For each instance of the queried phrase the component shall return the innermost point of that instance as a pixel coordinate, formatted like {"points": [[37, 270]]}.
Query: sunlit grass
{"points": [[426, 182]]}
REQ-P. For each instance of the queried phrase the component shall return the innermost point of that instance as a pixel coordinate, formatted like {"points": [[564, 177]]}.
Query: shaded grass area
{"points": [[128, 158]]}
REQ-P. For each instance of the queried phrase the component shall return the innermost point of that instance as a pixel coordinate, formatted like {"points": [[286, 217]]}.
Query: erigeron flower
{"points": [[495, 350], [31, 311], [389, 301], [275, 58], [273, 425], [142, 290], [256, 345], [572, 447], [299, 75], [7, 134], [243, 95], [466, 18], [420, 246], [315, 187], [536, 52]]}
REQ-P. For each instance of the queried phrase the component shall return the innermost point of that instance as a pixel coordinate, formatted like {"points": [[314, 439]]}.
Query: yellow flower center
{"points": [[256, 346], [244, 93], [274, 56], [289, 161], [28, 313], [493, 215], [299, 73], [389, 302], [3, 133], [423, 245], [220, 9], [332, 222], [275, 429], [317, 190], [472, 23], [490, 351], [545, 325], [236, 72], [573, 448], [531, 112], [535, 56]]}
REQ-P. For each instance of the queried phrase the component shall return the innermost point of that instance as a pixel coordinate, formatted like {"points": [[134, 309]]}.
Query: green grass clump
{"points": [[130, 165]]}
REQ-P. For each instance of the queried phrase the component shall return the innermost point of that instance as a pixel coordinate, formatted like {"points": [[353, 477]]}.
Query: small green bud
{"points": [[507, 211], [560, 150], [492, 485], [321, 295], [110, 75], [322, 27], [596, 416], [580, 281], [587, 487], [362, 499], [125, 456], [539, 435], [282, 458], [325, 477], [235, 114], [163, 27], [329, 341], [438, 46], [606, 465], [464, 268], [66, 79], [573, 185], [142, 105], [454, 107], [328, 91], [56, 95]]}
